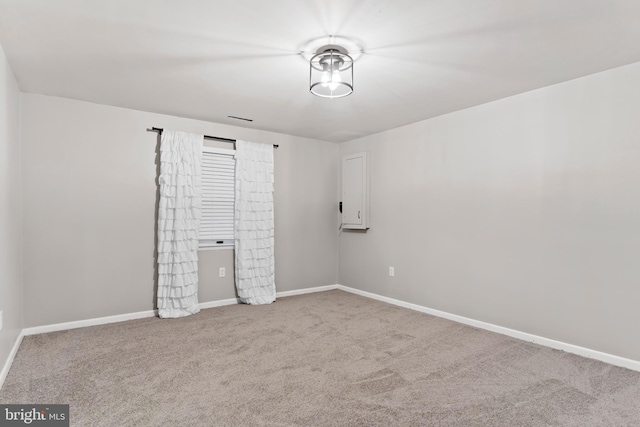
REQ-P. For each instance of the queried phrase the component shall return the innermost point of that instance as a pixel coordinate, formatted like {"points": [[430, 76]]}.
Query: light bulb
{"points": [[325, 79], [335, 80]]}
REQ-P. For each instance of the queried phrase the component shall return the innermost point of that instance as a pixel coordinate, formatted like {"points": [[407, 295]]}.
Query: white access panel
{"points": [[355, 191]]}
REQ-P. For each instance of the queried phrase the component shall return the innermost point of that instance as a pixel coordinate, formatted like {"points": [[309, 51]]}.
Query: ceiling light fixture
{"points": [[331, 72]]}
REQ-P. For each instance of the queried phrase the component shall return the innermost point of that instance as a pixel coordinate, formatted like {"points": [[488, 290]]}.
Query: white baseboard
{"points": [[151, 313], [88, 322], [306, 291], [558, 345], [9, 361], [219, 303]]}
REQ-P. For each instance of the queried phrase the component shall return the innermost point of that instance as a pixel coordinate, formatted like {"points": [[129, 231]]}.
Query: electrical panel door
{"points": [[355, 191]]}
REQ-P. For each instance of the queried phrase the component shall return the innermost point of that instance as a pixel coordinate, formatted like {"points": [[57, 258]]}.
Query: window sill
{"points": [[216, 248]]}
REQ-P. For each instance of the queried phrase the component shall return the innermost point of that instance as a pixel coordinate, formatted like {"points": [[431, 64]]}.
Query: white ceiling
{"points": [[209, 59]]}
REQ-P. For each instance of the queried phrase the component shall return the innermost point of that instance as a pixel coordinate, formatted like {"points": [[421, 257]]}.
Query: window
{"points": [[218, 198]]}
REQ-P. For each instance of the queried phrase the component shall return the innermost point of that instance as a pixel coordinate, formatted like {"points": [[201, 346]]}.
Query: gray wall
{"points": [[10, 215], [89, 191], [524, 213]]}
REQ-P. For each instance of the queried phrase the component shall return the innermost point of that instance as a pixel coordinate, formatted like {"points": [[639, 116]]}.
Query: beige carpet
{"points": [[325, 359]]}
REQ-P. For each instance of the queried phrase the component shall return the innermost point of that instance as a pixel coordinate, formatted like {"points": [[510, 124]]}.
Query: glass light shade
{"points": [[331, 73]]}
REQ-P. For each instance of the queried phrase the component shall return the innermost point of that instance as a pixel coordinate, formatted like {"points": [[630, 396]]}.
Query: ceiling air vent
{"points": [[240, 118]]}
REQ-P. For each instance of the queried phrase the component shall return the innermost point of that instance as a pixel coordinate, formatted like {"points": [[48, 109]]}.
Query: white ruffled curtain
{"points": [[178, 223], [254, 225]]}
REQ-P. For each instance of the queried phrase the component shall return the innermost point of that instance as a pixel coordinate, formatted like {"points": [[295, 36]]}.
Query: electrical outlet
{"points": [[392, 271], [222, 272]]}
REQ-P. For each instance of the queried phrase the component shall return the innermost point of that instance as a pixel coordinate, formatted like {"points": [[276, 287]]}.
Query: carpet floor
{"points": [[325, 359]]}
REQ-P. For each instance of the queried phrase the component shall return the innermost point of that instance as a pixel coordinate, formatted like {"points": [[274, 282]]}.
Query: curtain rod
{"points": [[216, 138]]}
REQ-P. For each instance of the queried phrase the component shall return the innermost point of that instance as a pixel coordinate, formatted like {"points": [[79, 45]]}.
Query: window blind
{"points": [[218, 198]]}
